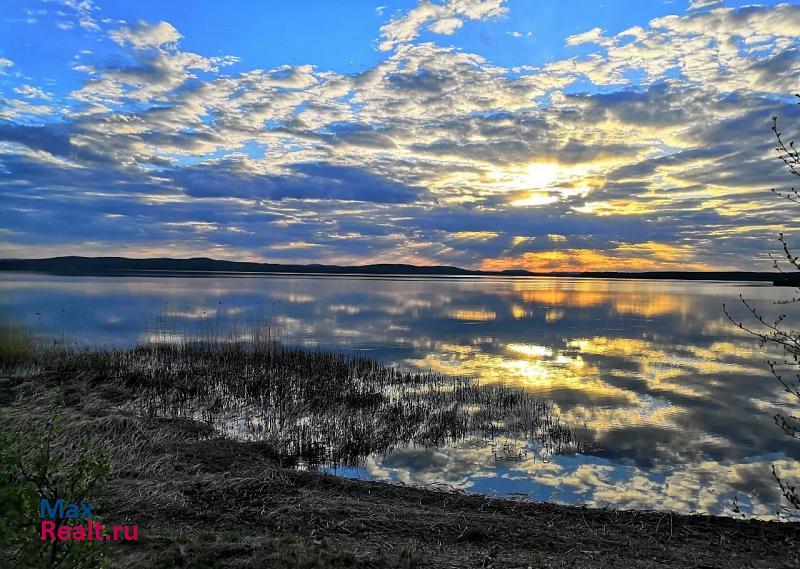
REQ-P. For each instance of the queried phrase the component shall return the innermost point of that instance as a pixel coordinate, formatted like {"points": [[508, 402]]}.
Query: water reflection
{"points": [[325, 409], [678, 400]]}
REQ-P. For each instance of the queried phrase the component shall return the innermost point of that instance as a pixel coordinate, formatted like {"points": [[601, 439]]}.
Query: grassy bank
{"points": [[205, 440]]}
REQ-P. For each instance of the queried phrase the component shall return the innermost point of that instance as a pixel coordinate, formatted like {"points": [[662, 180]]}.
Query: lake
{"points": [[677, 399]]}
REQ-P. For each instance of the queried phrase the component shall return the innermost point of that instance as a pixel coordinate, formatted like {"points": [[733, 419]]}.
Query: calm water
{"points": [[679, 400]]}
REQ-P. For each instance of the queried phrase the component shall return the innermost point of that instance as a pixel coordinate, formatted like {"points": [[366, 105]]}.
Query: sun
{"points": [[532, 176], [541, 183], [541, 175]]}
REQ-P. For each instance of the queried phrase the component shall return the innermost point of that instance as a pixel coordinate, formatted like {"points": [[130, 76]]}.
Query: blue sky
{"points": [[482, 133], [335, 36]]}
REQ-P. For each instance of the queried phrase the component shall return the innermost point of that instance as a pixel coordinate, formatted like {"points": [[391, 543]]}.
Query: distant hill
{"points": [[110, 266], [106, 265]]}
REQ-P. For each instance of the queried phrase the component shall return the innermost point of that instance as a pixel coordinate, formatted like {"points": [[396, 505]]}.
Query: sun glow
{"points": [[541, 175], [541, 183], [535, 199]]}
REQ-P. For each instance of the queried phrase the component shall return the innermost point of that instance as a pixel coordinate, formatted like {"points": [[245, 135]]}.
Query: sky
{"points": [[488, 134]]}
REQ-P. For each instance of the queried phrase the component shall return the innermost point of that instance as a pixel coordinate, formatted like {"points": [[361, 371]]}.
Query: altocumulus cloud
{"points": [[313, 181], [651, 149]]}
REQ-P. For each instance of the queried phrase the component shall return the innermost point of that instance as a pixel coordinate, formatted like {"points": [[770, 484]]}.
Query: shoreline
{"points": [[203, 500]]}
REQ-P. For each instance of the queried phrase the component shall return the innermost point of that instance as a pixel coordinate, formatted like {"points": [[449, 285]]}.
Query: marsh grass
{"points": [[311, 408], [17, 344]]}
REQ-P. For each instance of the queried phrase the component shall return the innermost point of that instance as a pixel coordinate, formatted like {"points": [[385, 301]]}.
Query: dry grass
{"points": [[203, 498], [310, 407]]}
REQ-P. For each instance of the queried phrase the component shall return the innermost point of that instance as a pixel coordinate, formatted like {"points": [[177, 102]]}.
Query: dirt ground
{"points": [[377, 524], [203, 501]]}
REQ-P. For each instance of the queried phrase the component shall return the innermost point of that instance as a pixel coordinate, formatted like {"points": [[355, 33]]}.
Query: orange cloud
{"points": [[649, 256]]}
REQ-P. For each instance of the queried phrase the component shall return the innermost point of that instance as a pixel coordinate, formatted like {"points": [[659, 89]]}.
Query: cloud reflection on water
{"points": [[678, 399]]}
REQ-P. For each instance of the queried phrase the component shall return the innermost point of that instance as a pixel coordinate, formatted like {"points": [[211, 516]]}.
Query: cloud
{"points": [[317, 181], [81, 14], [595, 35], [701, 4], [5, 63], [658, 135], [443, 18], [155, 68], [446, 26], [144, 36], [31, 92], [648, 256]]}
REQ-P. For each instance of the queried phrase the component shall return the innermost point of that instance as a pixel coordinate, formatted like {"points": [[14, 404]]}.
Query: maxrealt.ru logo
{"points": [[62, 522]]}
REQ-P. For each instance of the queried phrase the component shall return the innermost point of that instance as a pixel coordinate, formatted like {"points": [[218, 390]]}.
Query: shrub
{"points": [[37, 465]]}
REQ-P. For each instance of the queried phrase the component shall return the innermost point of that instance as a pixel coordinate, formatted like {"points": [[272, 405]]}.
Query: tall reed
{"points": [[311, 407]]}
